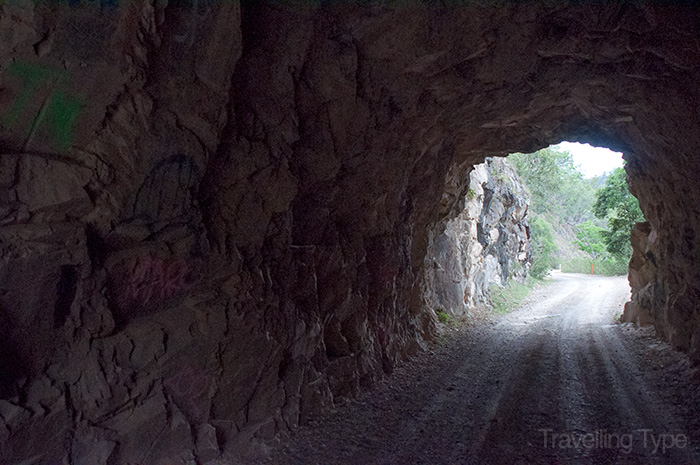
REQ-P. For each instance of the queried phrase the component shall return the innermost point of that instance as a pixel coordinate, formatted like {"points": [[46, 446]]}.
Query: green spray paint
{"points": [[59, 111]]}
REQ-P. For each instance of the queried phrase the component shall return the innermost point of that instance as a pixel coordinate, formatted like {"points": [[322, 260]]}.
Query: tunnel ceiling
{"points": [[215, 215]]}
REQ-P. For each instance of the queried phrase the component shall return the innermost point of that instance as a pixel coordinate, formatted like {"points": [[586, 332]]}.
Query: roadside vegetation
{"points": [[508, 298], [576, 222]]}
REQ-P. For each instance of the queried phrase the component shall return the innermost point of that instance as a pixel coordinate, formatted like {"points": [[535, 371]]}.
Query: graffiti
{"points": [[168, 190], [57, 113], [142, 285], [154, 278], [187, 386]]}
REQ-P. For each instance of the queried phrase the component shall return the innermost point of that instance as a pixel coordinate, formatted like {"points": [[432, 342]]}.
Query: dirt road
{"points": [[554, 382]]}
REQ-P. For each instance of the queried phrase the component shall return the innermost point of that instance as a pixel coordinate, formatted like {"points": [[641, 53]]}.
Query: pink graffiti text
{"points": [[155, 279]]}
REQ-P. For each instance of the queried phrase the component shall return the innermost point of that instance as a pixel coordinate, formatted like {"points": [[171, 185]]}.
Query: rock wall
{"points": [[485, 245], [643, 277], [215, 215]]}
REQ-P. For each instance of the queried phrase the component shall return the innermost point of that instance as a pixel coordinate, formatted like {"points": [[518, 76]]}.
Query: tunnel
{"points": [[215, 215]]}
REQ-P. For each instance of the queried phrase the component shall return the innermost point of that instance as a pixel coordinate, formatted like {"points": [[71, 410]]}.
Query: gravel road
{"points": [[555, 382]]}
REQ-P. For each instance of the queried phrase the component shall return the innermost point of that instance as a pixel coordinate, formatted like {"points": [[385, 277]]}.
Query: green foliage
{"points": [[508, 298], [564, 204], [559, 195], [543, 247], [590, 238], [621, 208], [442, 316], [610, 267], [556, 187]]}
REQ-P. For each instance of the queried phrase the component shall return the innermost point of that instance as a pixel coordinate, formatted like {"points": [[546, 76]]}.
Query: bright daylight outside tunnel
{"points": [[263, 232]]}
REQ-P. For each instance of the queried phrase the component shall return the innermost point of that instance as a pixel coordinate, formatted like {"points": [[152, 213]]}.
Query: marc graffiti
{"points": [[154, 279]]}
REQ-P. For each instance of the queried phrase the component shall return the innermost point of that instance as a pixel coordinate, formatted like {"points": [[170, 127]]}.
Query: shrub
{"points": [[543, 247], [442, 316], [508, 298], [610, 267]]}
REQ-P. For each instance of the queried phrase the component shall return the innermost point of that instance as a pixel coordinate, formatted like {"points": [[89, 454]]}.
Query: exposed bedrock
{"points": [[642, 276], [215, 216], [487, 244]]}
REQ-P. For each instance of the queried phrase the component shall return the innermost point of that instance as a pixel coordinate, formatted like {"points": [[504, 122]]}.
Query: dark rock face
{"points": [[642, 276], [485, 245], [215, 215]]}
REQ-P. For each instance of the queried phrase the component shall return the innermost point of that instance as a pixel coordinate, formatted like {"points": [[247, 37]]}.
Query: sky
{"points": [[592, 161]]}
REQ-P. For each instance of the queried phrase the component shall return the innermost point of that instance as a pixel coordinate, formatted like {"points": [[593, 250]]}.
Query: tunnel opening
{"points": [[581, 212], [565, 207]]}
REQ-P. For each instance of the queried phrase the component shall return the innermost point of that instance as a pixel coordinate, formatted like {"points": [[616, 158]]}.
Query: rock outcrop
{"points": [[485, 245], [643, 277], [214, 216]]}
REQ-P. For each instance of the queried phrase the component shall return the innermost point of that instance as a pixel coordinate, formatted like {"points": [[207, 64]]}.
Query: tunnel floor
{"points": [[554, 382]]}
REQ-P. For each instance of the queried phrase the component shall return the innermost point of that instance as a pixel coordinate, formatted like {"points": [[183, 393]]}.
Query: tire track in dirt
{"points": [[497, 393]]}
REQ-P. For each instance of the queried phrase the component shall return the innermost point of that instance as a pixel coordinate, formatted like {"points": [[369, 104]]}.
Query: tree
{"points": [[621, 208], [556, 187], [543, 247], [591, 239], [560, 199]]}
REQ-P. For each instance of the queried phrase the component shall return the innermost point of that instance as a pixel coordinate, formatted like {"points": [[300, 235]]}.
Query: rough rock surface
{"points": [[642, 276], [214, 215], [485, 245], [487, 394]]}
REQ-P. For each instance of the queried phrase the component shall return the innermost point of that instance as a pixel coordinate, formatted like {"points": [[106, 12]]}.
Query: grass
{"points": [[600, 267], [508, 298]]}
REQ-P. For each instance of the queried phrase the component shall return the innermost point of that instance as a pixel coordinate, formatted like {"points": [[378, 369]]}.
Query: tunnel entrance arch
{"points": [[525, 215], [581, 210]]}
